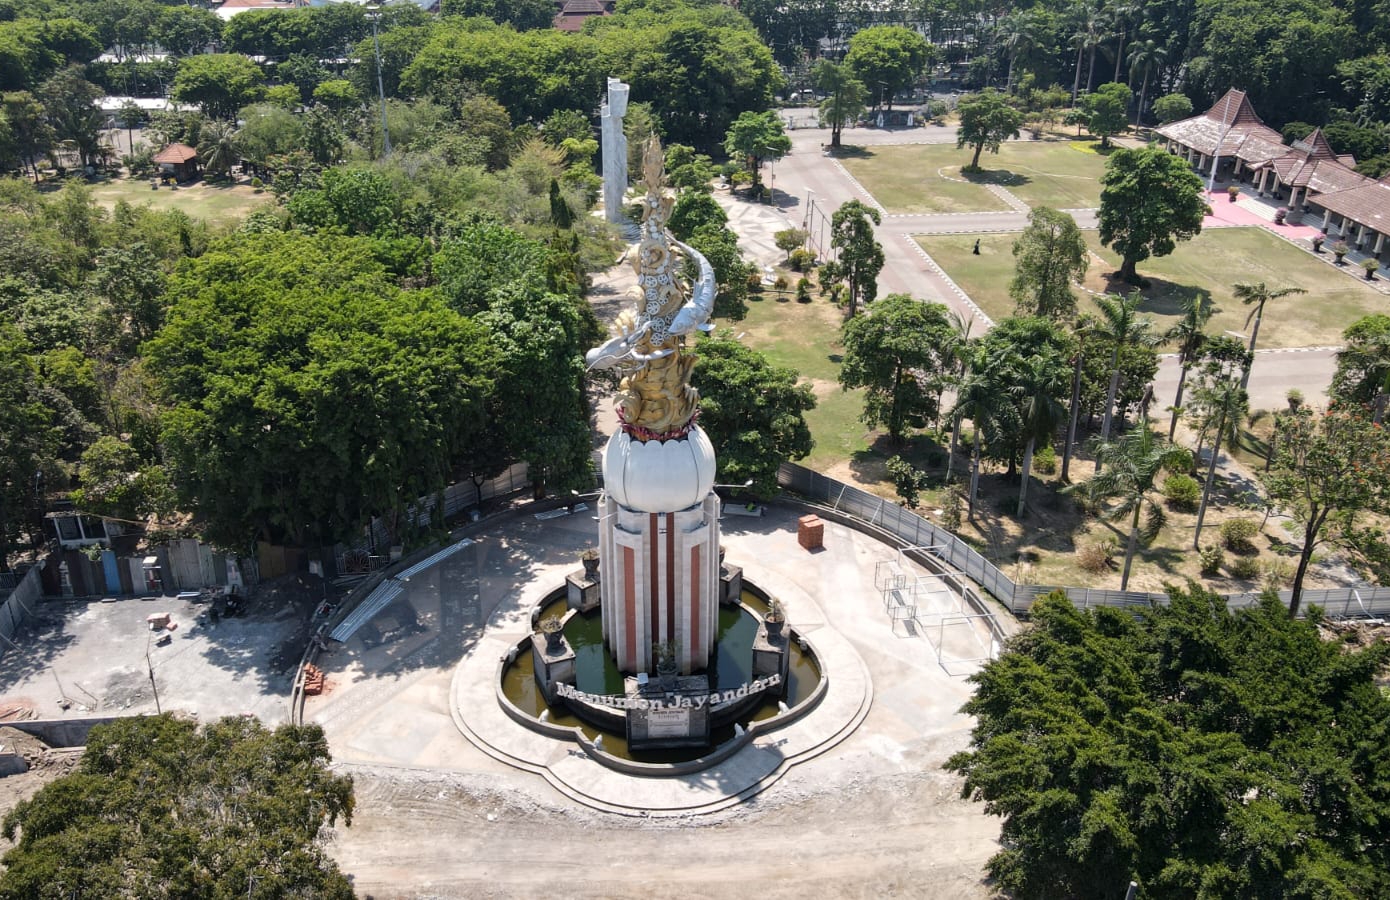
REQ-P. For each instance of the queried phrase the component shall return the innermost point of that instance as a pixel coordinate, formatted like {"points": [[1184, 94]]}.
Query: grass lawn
{"points": [[215, 204], [1214, 261], [909, 178], [905, 179], [806, 337]]}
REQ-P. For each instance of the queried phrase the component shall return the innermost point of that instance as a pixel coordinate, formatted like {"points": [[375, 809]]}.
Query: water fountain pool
{"points": [[597, 673]]}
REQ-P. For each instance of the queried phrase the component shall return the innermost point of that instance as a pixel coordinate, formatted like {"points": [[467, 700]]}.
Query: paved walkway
{"points": [[407, 688]]}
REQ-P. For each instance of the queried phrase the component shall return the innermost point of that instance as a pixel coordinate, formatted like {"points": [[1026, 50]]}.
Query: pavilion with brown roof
{"points": [[1230, 140], [178, 160]]}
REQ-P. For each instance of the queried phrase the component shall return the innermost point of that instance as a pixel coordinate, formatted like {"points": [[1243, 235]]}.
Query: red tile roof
{"points": [[1368, 204], [1229, 128], [176, 153]]}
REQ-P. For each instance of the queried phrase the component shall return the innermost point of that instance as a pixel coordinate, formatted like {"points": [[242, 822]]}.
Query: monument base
{"points": [[552, 665], [671, 725], [730, 584], [583, 592]]}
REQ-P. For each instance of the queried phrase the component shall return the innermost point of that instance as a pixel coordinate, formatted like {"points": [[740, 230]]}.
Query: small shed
{"points": [[178, 160]]}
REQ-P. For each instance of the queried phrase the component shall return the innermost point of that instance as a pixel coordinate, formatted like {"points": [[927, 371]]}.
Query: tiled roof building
{"points": [[1230, 140]]}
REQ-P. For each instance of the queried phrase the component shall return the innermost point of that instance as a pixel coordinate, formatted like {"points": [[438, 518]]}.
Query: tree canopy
{"points": [[901, 356], [887, 58], [161, 806], [1199, 752], [753, 412], [1149, 200], [1326, 469], [1049, 255], [306, 392], [986, 121]]}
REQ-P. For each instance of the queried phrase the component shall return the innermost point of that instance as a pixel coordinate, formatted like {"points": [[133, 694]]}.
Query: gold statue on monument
{"points": [[656, 400]]}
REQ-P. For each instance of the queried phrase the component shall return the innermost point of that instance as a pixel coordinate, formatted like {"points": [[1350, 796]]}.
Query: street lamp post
{"points": [[374, 13]]}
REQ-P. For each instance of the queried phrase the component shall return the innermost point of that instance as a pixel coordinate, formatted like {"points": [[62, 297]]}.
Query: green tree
{"points": [[1143, 56], [130, 117], [844, 102], [1107, 111], [130, 281], [338, 94], [980, 399], [731, 271], [753, 411], [70, 102], [1363, 364], [860, 256], [1257, 295], [1049, 255], [887, 59], [899, 356], [525, 15], [1149, 201], [1197, 751], [1172, 107], [1128, 469], [1040, 384], [1327, 469], [28, 441], [757, 137], [219, 83], [986, 121], [305, 392], [29, 128], [499, 278], [269, 130], [694, 210], [160, 805], [687, 170]]}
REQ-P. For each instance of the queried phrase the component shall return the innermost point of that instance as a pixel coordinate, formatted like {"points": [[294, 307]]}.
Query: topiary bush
{"points": [[1182, 492], [803, 290], [1238, 534], [1212, 558]]}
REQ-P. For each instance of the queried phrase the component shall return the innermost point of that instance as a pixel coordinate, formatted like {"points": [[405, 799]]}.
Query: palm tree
{"points": [[1190, 334], [1119, 15], [219, 147], [1019, 36], [1231, 403], [1039, 382], [1132, 464], [960, 350], [1086, 37], [1121, 325], [1143, 55], [981, 400], [1259, 295]]}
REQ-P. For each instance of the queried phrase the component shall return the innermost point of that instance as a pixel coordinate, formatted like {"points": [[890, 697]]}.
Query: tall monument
{"points": [[614, 151], [659, 518]]}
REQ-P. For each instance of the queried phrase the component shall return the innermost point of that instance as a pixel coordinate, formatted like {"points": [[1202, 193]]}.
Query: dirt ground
{"points": [[899, 835]]}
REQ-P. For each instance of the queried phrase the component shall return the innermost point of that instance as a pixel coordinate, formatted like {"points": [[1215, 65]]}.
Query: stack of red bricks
{"points": [[313, 680], [810, 532]]}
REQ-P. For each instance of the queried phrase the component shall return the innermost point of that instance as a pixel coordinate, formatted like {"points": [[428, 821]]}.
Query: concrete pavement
{"points": [[416, 687]]}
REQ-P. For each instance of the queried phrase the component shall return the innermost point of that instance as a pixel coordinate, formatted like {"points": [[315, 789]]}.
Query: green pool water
{"points": [[596, 673]]}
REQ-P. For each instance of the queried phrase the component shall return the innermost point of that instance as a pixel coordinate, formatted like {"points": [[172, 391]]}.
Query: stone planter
{"points": [[554, 634], [590, 560]]}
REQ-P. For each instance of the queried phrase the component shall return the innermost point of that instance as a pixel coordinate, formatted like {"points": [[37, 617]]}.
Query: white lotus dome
{"points": [[659, 476]]}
